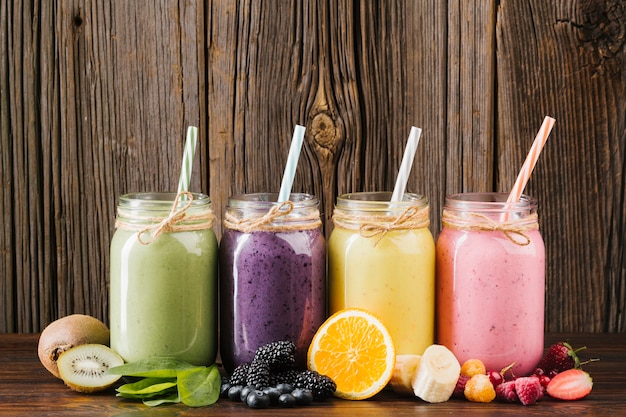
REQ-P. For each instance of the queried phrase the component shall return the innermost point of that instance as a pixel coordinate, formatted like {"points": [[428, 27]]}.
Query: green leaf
{"points": [[147, 386], [199, 387], [158, 367], [165, 393], [173, 398]]}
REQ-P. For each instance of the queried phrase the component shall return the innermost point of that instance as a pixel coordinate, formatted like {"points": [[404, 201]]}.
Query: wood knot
{"points": [[602, 27], [325, 134]]}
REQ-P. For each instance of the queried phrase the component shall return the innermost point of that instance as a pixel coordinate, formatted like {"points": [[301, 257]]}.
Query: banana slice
{"points": [[403, 373], [436, 375]]}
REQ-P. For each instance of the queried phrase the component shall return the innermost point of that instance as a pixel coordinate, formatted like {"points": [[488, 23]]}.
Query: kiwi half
{"points": [[84, 368], [67, 332]]}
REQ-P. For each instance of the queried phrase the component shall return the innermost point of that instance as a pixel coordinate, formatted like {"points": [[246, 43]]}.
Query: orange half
{"points": [[355, 349]]}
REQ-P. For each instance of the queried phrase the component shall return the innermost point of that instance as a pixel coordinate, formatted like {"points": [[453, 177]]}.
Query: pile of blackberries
{"points": [[271, 380]]}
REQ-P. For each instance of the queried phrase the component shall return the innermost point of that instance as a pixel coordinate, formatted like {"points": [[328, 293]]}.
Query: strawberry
{"points": [[528, 389], [572, 384], [558, 358]]}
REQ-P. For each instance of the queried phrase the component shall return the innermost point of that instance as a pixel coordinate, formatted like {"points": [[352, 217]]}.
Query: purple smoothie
{"points": [[272, 287]]}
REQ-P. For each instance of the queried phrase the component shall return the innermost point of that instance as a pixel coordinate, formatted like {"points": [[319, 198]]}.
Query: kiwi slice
{"points": [[84, 368]]}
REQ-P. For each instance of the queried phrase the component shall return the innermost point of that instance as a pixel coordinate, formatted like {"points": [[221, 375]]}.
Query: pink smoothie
{"points": [[490, 298]]}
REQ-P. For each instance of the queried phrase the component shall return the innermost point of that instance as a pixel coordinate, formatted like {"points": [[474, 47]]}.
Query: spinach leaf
{"points": [[173, 398], [158, 367], [147, 386], [199, 387]]}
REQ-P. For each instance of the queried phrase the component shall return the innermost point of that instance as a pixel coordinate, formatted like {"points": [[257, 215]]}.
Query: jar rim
{"points": [[268, 200], [379, 200], [489, 201], [158, 200]]}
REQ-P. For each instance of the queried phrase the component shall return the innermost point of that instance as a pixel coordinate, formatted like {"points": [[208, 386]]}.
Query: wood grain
{"points": [[27, 389], [96, 97], [570, 67]]}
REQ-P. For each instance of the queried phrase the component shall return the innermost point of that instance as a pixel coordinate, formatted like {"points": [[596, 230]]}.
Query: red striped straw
{"points": [[531, 159]]}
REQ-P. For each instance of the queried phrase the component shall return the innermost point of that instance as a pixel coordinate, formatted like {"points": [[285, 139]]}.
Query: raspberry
{"points": [[473, 367], [459, 390], [505, 392], [479, 389], [528, 389]]}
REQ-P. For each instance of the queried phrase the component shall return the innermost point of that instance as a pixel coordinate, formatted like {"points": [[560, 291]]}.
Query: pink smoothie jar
{"points": [[490, 281]]}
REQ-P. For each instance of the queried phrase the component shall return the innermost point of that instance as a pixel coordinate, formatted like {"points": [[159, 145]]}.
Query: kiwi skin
{"points": [[67, 332]]}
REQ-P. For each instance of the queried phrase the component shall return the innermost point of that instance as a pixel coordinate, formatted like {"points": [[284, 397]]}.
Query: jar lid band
{"points": [[267, 222], [514, 230], [177, 221], [370, 226]]}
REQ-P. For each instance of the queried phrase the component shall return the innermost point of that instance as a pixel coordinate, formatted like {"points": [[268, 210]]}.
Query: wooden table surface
{"points": [[27, 389]]}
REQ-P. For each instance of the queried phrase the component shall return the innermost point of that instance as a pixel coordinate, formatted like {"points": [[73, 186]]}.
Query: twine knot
{"points": [[265, 222], [168, 223], [370, 226], [515, 231], [127, 219]]}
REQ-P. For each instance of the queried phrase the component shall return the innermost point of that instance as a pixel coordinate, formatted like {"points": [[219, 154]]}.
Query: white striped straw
{"points": [[531, 159], [292, 163], [407, 163], [188, 154]]}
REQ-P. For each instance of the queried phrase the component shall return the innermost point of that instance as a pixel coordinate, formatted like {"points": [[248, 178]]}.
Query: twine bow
{"points": [[514, 231], [167, 224], [412, 217]]}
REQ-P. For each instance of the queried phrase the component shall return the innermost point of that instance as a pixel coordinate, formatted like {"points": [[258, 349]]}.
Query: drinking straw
{"points": [[531, 159], [188, 154], [292, 163], [407, 162]]}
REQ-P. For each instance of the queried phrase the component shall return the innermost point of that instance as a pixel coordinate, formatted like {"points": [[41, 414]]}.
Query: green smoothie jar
{"points": [[163, 289]]}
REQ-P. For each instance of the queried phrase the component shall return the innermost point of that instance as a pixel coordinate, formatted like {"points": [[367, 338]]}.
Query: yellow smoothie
{"points": [[392, 276]]}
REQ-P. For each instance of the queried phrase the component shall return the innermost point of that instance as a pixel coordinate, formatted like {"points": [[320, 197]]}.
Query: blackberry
{"points": [[240, 374], [258, 374], [283, 377], [280, 354], [322, 386]]}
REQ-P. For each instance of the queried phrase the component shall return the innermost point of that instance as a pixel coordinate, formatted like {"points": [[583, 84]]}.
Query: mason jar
{"points": [[272, 275], [381, 258], [491, 281], [163, 289]]}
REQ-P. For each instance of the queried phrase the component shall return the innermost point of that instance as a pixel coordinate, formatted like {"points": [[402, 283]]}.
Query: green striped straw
{"points": [[188, 154]]}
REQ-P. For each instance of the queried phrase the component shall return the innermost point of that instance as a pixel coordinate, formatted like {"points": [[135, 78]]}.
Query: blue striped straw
{"points": [[407, 162], [188, 154], [292, 163]]}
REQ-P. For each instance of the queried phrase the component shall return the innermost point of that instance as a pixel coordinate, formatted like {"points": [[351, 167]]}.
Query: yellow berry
{"points": [[479, 389], [473, 367]]}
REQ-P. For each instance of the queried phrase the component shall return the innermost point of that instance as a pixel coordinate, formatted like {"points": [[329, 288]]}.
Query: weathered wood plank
{"points": [[570, 65], [97, 95]]}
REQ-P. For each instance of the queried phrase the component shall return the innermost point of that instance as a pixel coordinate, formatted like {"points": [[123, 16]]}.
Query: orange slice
{"points": [[355, 349]]}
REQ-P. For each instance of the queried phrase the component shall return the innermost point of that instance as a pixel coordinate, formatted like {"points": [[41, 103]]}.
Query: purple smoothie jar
{"points": [[272, 275]]}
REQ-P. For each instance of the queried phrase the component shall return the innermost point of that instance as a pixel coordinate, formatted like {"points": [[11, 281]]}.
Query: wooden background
{"points": [[96, 95]]}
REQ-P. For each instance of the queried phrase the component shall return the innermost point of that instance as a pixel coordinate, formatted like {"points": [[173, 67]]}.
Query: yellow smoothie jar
{"points": [[381, 258], [163, 289]]}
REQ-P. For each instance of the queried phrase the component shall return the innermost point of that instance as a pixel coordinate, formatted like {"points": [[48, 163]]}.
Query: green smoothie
{"points": [[163, 290]]}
